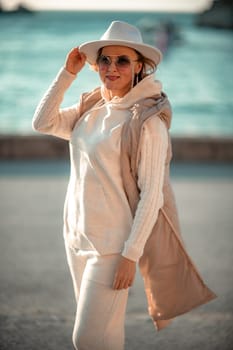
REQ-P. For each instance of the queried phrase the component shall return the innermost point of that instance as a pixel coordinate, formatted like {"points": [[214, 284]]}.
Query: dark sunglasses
{"points": [[121, 62]]}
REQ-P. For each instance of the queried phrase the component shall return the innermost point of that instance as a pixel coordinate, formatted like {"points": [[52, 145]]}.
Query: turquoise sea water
{"points": [[196, 72]]}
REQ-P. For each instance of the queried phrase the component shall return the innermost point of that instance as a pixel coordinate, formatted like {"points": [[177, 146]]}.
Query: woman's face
{"points": [[117, 66]]}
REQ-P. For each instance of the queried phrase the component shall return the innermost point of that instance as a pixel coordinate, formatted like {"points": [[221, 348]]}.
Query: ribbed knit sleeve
{"points": [[150, 181], [48, 117]]}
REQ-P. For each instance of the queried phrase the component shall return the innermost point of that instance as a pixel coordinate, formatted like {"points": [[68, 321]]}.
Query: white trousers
{"points": [[100, 315]]}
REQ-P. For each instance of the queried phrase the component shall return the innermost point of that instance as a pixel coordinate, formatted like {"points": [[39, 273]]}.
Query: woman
{"points": [[119, 208]]}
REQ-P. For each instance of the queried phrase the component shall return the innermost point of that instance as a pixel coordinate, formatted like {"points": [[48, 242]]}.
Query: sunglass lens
{"points": [[104, 61], [123, 61]]}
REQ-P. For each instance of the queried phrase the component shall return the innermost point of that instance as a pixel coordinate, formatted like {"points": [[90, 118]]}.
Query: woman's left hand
{"points": [[125, 274]]}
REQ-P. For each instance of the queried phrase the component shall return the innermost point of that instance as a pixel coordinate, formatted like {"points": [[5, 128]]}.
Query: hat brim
{"points": [[90, 49]]}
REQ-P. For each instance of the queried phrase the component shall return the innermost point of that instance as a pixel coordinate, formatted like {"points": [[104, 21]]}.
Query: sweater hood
{"points": [[145, 99], [146, 88]]}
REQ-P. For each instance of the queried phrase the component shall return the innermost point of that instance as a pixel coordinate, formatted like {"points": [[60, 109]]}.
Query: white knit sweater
{"points": [[97, 215]]}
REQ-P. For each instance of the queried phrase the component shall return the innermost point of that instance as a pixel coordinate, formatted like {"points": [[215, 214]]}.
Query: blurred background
{"points": [[37, 305]]}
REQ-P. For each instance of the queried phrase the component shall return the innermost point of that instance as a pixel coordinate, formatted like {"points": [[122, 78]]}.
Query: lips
{"points": [[112, 77]]}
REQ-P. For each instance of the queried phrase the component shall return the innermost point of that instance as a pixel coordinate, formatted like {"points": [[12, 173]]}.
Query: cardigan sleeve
{"points": [[49, 118], [150, 181]]}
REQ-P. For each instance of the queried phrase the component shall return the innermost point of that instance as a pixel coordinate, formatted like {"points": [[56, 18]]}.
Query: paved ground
{"points": [[36, 297]]}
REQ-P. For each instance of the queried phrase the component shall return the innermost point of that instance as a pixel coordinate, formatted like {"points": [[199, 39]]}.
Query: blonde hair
{"points": [[146, 62]]}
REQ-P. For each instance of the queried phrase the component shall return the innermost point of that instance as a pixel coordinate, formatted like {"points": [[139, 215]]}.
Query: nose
{"points": [[112, 65]]}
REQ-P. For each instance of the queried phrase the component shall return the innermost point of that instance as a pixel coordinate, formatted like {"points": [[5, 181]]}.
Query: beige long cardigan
{"points": [[172, 283]]}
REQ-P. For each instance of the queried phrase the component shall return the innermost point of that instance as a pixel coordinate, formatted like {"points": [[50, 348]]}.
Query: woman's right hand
{"points": [[75, 61]]}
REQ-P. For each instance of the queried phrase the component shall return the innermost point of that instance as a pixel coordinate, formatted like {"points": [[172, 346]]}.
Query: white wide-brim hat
{"points": [[122, 34]]}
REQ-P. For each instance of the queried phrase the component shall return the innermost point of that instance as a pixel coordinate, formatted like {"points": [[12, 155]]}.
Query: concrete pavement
{"points": [[36, 297]]}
